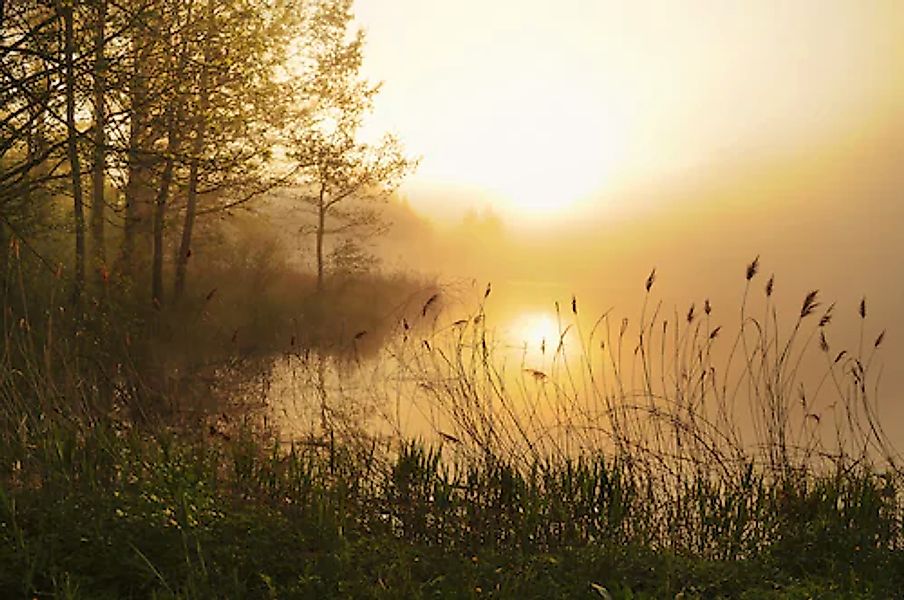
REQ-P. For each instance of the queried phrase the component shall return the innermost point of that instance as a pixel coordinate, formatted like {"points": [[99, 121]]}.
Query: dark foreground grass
{"points": [[100, 513]]}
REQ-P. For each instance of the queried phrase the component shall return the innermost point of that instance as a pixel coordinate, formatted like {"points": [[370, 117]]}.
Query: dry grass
{"points": [[671, 390]]}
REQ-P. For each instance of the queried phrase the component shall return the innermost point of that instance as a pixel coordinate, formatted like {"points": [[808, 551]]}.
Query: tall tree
{"points": [[145, 105], [199, 126], [98, 172], [239, 100], [177, 51], [342, 179], [67, 13]]}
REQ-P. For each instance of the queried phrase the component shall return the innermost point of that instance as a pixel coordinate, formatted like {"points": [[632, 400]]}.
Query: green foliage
{"points": [[106, 513]]}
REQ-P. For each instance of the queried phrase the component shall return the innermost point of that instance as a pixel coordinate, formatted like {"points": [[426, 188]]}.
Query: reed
{"points": [[670, 393], [655, 457]]}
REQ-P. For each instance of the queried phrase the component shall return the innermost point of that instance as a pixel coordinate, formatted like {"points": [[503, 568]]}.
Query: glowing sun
{"points": [[536, 147], [538, 331]]}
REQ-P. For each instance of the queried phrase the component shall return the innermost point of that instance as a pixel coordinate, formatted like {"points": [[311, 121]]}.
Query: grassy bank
{"points": [[104, 513]]}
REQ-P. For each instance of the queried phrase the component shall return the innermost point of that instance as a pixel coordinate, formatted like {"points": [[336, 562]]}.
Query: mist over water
{"points": [[818, 220]]}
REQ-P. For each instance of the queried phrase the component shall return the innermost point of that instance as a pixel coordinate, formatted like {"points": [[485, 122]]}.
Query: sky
{"points": [[543, 110], [691, 135]]}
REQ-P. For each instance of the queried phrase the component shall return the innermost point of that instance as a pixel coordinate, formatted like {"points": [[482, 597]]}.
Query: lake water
{"points": [[533, 369]]}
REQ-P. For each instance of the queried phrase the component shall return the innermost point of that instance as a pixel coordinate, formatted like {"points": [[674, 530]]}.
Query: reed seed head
{"points": [[753, 268], [827, 317], [810, 304], [428, 304], [879, 339]]}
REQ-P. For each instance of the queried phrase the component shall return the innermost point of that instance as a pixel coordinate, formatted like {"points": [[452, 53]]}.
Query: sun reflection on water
{"points": [[537, 332]]}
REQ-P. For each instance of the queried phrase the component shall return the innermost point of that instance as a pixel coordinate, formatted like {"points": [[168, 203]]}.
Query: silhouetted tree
{"points": [[99, 163], [238, 103], [342, 178], [67, 14], [172, 109]]}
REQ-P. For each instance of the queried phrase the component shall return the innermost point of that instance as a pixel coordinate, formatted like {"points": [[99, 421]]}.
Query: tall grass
{"points": [[667, 391], [648, 457]]}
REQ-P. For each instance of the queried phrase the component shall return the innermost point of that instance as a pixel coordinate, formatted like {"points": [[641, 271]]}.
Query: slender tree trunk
{"points": [[191, 210], [37, 142], [191, 201], [37, 139], [159, 223], [139, 190], [321, 231], [98, 204], [175, 116], [75, 167]]}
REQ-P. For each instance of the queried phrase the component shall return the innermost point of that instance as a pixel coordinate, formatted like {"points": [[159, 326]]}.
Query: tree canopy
{"points": [[143, 116]]}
